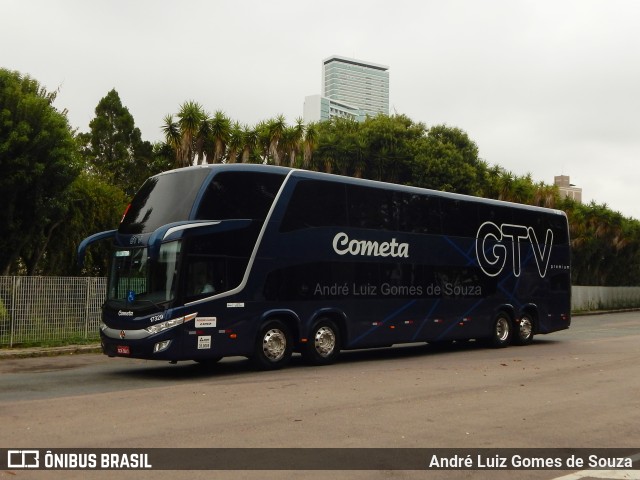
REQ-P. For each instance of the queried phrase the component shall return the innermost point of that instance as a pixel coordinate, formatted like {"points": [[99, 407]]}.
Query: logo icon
{"points": [[23, 459], [496, 246]]}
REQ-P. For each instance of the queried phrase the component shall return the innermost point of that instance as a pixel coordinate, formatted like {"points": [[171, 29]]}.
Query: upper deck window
{"points": [[241, 195]]}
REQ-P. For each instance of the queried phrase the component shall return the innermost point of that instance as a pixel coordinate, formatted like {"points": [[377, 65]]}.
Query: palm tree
{"points": [[250, 136], [360, 160], [172, 138], [276, 128], [297, 137], [287, 145], [546, 195], [220, 127], [310, 143], [201, 138], [505, 186], [236, 143], [291, 141], [190, 118], [263, 140]]}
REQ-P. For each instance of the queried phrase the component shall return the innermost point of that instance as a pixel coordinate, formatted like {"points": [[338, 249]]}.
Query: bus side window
{"points": [[315, 204], [419, 214], [372, 208], [459, 219], [200, 277]]}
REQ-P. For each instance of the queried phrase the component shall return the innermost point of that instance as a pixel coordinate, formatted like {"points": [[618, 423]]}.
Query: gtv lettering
{"points": [[493, 250]]}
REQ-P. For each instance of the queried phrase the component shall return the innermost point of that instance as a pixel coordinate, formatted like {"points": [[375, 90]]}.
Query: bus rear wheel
{"points": [[273, 346], [524, 331], [501, 334], [323, 346]]}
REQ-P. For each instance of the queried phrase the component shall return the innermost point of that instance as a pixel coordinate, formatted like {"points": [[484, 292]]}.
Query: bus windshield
{"points": [[136, 282], [163, 199]]}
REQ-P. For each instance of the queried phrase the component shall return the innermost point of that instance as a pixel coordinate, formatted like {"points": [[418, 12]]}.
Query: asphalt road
{"points": [[572, 389]]}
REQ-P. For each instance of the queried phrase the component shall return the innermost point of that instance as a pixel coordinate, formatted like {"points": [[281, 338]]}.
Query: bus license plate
{"points": [[123, 350]]}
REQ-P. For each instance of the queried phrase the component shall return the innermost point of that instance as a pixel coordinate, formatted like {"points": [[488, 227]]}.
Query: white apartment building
{"points": [[567, 189], [350, 88]]}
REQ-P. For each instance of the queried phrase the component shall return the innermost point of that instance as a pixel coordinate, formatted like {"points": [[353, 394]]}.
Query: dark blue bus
{"points": [[263, 261]]}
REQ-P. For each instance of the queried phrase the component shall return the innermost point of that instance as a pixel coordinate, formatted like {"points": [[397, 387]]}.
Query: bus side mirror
{"points": [[96, 237]]}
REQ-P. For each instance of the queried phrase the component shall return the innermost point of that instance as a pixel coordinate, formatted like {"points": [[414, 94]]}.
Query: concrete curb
{"points": [[48, 351]]}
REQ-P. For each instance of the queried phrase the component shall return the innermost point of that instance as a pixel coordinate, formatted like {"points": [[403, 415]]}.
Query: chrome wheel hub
{"points": [[325, 341], [274, 344]]}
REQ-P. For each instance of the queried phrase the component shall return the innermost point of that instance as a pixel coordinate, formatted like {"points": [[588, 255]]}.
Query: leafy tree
{"points": [[447, 159], [381, 147], [117, 151], [605, 246], [391, 147], [38, 162], [94, 205], [162, 159]]}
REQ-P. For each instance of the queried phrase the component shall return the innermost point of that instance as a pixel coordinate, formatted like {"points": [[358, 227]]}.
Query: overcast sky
{"points": [[546, 87]]}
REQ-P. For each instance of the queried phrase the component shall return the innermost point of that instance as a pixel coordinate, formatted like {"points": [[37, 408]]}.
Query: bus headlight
{"points": [[161, 346], [162, 326]]}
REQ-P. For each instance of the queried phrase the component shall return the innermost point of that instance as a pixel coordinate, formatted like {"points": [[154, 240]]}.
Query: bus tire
{"points": [[524, 330], [501, 333], [273, 347], [323, 346]]}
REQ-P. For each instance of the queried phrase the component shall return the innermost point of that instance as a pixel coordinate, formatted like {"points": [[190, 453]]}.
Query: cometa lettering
{"points": [[342, 245]]}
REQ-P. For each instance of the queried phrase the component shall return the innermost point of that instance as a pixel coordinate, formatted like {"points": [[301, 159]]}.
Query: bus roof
{"points": [[313, 175]]}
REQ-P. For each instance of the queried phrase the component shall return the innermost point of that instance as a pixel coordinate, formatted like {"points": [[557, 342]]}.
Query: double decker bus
{"points": [[263, 261]]}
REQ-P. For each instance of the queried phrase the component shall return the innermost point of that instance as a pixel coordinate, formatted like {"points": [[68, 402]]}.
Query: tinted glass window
{"points": [[372, 208], [543, 221], [216, 262], [459, 219], [316, 204], [420, 214], [495, 213], [560, 229], [163, 199], [239, 195]]}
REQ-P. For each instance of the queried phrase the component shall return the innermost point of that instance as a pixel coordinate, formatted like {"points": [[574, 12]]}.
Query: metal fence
{"points": [[40, 309]]}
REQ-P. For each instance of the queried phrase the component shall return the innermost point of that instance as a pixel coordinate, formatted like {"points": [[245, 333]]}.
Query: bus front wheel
{"points": [[323, 346], [273, 347], [501, 331]]}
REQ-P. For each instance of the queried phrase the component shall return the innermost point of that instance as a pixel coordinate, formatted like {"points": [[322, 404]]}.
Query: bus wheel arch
{"points": [[273, 346], [324, 342], [525, 327]]}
